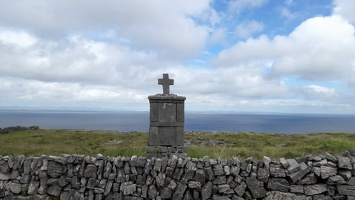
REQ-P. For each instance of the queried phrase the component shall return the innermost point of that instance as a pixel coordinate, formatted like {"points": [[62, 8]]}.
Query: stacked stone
{"points": [[85, 177], [17, 128]]}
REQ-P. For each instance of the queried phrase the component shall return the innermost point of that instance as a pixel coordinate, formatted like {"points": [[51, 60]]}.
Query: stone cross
{"points": [[166, 82]]}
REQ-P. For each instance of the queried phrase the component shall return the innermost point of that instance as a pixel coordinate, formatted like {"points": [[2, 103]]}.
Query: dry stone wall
{"points": [[85, 177]]}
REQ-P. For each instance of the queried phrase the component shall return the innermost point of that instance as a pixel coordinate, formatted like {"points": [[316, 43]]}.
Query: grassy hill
{"points": [[199, 144]]}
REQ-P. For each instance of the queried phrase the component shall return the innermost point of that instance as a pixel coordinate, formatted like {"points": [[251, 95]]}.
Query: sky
{"points": [[242, 56]]}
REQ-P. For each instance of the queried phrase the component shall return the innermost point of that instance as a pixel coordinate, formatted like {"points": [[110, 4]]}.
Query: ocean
{"points": [[139, 121]]}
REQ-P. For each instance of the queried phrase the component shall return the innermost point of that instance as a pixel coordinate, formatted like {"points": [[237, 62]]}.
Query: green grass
{"points": [[114, 143]]}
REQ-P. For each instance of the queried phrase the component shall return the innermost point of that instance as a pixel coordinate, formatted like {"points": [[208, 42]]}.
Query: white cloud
{"points": [[18, 39], [110, 55], [248, 28], [239, 5], [157, 25], [345, 8], [286, 13], [321, 48], [320, 92], [218, 36]]}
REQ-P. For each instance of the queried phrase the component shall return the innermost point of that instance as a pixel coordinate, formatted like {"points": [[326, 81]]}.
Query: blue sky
{"points": [[284, 56]]}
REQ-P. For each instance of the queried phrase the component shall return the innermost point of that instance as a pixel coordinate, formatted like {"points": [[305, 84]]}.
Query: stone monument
{"points": [[166, 131]]}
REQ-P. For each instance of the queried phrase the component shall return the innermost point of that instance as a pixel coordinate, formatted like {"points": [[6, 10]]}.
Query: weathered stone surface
{"points": [[346, 174], [54, 190], [330, 157], [15, 188], [240, 188], [277, 171], [90, 171], [326, 172], [223, 188], [128, 188], [335, 180], [25, 178], [33, 187], [217, 197], [344, 163], [298, 189], [219, 180], [194, 185], [263, 175], [317, 178], [309, 179], [278, 184], [276, 195], [55, 169], [284, 163], [200, 176], [256, 187], [346, 190], [206, 191], [315, 189], [166, 193], [179, 191], [322, 197], [293, 166], [91, 183], [304, 169], [209, 174], [4, 177]]}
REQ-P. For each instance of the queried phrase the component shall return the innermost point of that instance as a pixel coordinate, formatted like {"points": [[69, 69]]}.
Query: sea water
{"points": [[139, 121]]}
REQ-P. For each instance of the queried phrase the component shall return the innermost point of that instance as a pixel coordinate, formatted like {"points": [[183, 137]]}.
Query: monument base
{"points": [[166, 151]]}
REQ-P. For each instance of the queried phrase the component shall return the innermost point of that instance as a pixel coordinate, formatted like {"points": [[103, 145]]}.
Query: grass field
{"points": [[223, 145]]}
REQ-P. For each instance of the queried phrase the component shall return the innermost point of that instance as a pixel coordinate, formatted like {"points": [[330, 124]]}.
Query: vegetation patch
{"points": [[213, 145]]}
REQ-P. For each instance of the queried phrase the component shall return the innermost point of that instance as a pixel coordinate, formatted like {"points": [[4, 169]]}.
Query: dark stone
{"points": [[309, 179], [90, 171], [263, 175], [278, 184], [219, 180], [304, 169], [223, 188], [276, 195], [194, 185], [55, 169], [297, 189], [61, 181], [336, 180], [256, 188], [346, 190], [152, 192], [330, 157], [166, 193], [294, 166], [326, 172], [179, 191], [315, 189], [54, 190], [277, 171], [284, 163], [344, 163], [206, 191], [209, 174], [33, 187], [91, 183], [346, 174], [15, 188], [217, 197], [200, 176]]}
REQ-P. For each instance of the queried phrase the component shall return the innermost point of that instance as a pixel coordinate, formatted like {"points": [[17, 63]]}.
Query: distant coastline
{"points": [[194, 121]]}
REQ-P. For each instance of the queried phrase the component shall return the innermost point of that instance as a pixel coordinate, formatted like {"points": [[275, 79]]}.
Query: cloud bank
{"points": [[108, 55]]}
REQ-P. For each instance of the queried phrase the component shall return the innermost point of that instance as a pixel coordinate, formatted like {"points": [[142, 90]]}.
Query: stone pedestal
{"points": [[166, 131]]}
